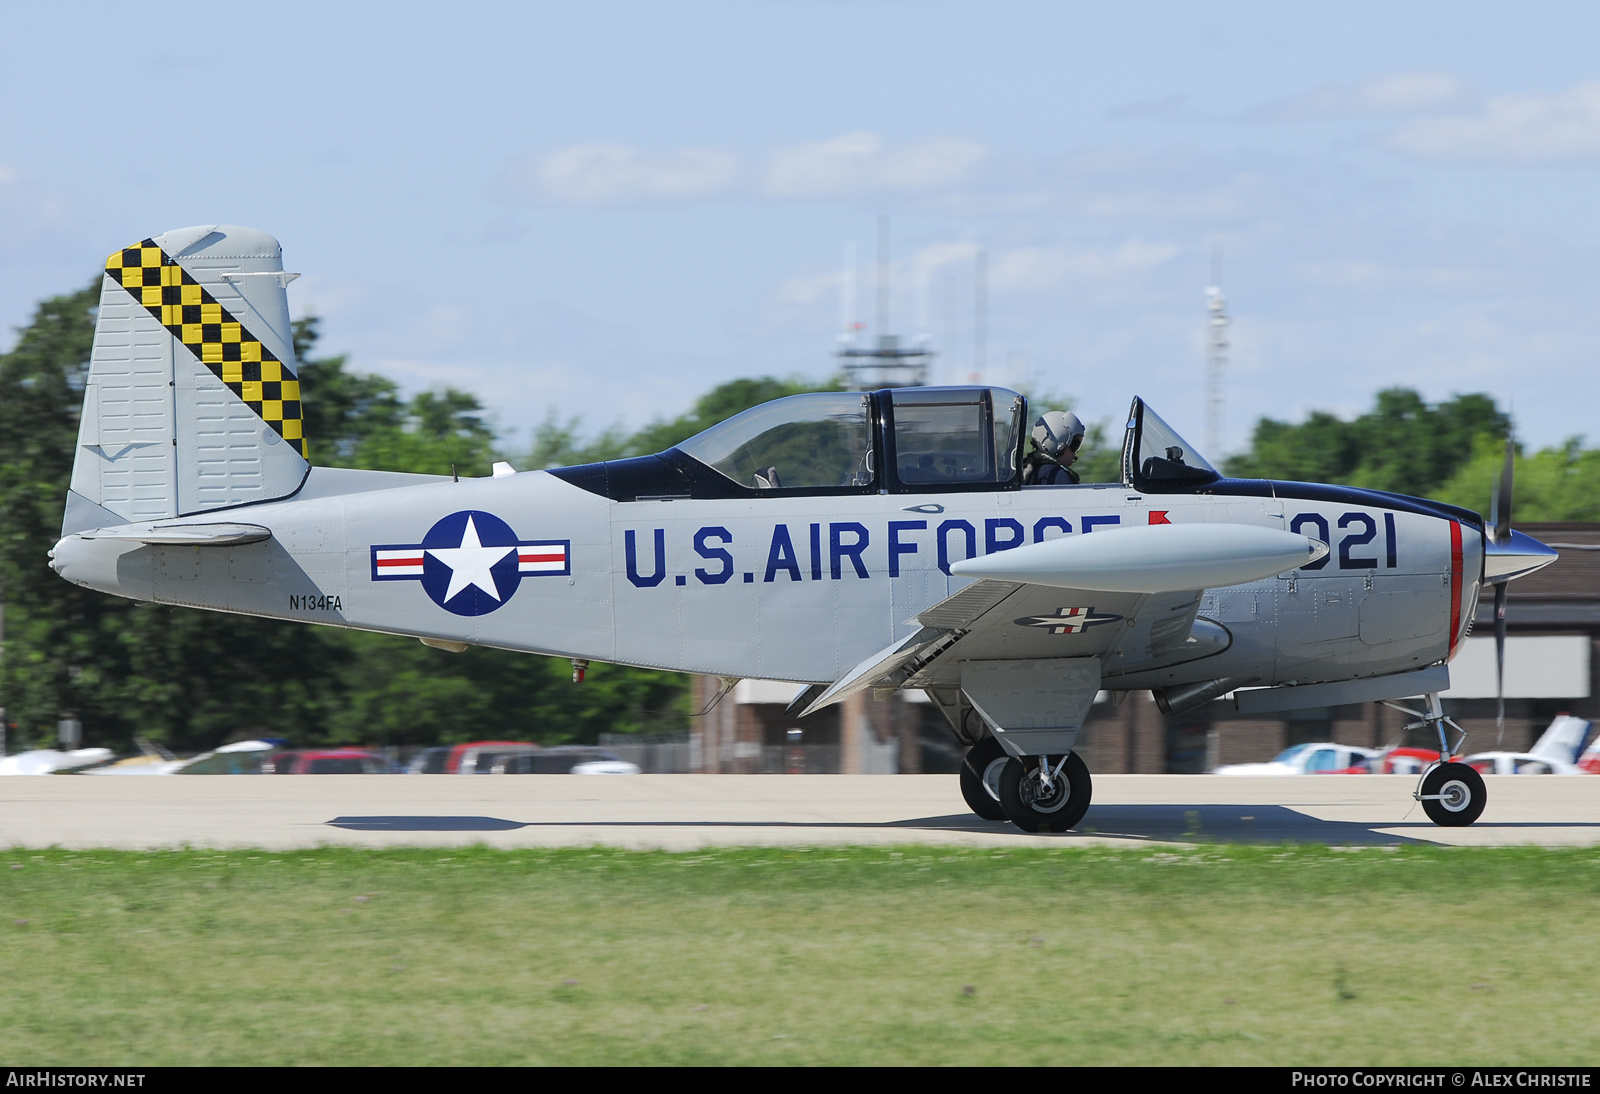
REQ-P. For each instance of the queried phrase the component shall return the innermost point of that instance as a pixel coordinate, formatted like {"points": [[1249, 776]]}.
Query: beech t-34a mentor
{"points": [[840, 540]]}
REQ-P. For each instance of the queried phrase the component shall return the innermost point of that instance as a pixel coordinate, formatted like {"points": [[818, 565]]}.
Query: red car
{"points": [[329, 761], [1407, 761], [468, 759]]}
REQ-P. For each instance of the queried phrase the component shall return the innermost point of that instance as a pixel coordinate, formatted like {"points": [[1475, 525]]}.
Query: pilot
{"points": [[1056, 438]]}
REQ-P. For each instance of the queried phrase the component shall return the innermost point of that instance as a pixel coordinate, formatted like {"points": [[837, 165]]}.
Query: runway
{"points": [[686, 812]]}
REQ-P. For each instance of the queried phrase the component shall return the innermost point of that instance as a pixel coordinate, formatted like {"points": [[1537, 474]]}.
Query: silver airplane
{"points": [[840, 540]]}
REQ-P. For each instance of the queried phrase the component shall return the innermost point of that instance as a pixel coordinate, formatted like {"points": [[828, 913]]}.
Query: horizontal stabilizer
{"points": [[190, 535], [1159, 558]]}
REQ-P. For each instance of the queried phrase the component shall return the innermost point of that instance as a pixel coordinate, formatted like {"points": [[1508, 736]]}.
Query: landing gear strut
{"points": [[1451, 793], [1045, 793], [980, 778]]}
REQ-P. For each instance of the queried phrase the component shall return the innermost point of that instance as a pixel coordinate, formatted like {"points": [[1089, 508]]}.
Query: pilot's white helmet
{"points": [[1058, 432]]}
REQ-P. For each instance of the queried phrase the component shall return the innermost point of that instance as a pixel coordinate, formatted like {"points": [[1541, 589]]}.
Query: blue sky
{"points": [[606, 208]]}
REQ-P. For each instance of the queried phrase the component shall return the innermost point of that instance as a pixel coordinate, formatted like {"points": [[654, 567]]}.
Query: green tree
{"points": [[1402, 444], [1558, 483], [556, 442], [356, 419]]}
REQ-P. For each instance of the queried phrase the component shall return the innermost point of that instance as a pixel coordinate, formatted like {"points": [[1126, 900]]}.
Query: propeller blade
{"points": [[1500, 502], [1500, 664]]}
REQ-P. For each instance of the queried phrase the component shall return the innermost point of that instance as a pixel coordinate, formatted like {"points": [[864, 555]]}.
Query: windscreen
{"points": [[1155, 454], [804, 441]]}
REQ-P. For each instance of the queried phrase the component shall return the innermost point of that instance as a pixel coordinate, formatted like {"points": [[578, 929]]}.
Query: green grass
{"points": [[861, 955]]}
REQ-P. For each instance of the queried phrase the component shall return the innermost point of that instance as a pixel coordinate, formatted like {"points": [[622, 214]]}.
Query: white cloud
{"points": [[616, 174], [859, 164], [1388, 94], [854, 165], [1513, 129]]}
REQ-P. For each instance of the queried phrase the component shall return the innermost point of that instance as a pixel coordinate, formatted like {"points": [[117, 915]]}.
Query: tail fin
{"points": [[192, 402], [1562, 741]]}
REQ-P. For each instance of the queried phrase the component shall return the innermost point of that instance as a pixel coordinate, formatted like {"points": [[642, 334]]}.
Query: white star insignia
{"points": [[470, 563]]}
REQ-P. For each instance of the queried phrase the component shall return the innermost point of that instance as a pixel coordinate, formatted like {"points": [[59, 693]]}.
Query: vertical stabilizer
{"points": [[192, 402]]}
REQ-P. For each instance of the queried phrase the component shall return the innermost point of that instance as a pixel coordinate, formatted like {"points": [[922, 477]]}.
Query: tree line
{"points": [[195, 679]]}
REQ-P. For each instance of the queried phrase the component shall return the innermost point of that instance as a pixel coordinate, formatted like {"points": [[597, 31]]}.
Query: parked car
{"points": [[565, 760], [471, 758], [1405, 761], [1323, 758], [481, 759], [1518, 763], [330, 761], [430, 761]]}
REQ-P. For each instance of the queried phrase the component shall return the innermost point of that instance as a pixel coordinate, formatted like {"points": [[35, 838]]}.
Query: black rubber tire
{"points": [[1461, 778], [977, 761], [1064, 810]]}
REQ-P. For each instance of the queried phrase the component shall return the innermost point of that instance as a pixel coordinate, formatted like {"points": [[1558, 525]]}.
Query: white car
{"points": [[1320, 758], [1519, 763]]}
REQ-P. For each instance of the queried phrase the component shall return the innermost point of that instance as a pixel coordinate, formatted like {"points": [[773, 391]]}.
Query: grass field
{"points": [[1092, 956]]}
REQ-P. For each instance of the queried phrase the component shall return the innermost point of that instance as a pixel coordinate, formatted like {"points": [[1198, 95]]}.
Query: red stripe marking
{"points": [[542, 558], [415, 560], [1455, 587]]}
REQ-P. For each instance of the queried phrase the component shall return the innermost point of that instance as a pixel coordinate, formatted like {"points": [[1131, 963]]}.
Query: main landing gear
{"points": [[1451, 793], [1037, 794], [980, 778]]}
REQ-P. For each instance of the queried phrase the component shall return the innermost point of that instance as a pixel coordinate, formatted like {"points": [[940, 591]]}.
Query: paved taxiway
{"points": [[684, 812]]}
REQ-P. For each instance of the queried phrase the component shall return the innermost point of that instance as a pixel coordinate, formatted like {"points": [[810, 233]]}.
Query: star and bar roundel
{"points": [[1067, 620], [471, 562], [213, 334]]}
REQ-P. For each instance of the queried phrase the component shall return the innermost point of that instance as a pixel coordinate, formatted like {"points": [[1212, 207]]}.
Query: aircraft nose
{"points": [[1514, 557]]}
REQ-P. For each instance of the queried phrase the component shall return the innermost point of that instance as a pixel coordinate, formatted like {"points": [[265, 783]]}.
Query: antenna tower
{"points": [[1216, 352], [884, 362]]}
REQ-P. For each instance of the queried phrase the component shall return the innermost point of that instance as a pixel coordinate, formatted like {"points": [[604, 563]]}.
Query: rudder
{"points": [[192, 402]]}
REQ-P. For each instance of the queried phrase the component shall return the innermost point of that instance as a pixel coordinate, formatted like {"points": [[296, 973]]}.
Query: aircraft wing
{"points": [[1127, 597], [1014, 621]]}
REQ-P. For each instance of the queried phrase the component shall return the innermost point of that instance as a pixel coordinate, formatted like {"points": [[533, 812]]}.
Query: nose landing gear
{"points": [[1452, 794]]}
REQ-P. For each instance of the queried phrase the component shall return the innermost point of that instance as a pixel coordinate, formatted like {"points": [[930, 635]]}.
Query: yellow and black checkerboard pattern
{"points": [[223, 345]]}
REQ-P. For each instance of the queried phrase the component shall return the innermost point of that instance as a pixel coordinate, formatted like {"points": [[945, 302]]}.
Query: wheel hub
{"points": [[1454, 795], [991, 776], [1040, 799]]}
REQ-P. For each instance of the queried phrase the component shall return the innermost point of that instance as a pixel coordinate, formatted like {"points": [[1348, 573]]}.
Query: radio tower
{"points": [[884, 362], [1216, 353]]}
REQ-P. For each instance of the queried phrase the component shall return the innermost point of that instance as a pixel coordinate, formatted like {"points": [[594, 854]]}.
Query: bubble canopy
{"points": [[902, 440], [823, 439]]}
